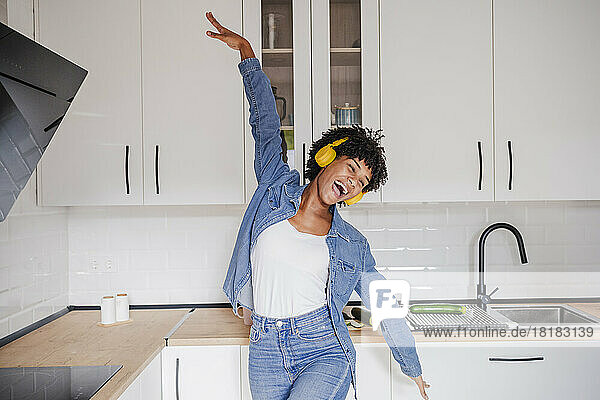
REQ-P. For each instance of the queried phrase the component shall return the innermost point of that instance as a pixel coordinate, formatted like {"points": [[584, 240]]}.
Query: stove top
{"points": [[54, 383]]}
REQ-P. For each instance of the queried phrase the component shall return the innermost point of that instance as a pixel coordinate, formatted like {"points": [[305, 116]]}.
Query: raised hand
{"points": [[231, 38]]}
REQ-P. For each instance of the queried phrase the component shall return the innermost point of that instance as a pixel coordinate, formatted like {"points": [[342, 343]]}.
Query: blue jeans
{"points": [[297, 358]]}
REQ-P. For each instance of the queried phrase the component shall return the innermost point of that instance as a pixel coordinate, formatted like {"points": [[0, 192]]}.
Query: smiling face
{"points": [[343, 179]]}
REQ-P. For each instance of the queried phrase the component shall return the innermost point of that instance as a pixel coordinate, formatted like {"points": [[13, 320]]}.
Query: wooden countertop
{"points": [[77, 339], [216, 326]]}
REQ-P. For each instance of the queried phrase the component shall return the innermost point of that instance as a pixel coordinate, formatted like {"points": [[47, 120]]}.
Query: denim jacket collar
{"points": [[338, 227]]}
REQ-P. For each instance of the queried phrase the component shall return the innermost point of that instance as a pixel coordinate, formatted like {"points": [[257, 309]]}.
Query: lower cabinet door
{"points": [[372, 372], [447, 367], [201, 372], [497, 371], [147, 386], [543, 370], [246, 395]]}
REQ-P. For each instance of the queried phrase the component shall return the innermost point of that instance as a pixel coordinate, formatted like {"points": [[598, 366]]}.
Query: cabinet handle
{"points": [[510, 165], [516, 359], [156, 168], [303, 162], [177, 378], [127, 167], [480, 165]]}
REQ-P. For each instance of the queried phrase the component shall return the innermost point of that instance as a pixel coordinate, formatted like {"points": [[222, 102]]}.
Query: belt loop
{"points": [[293, 325], [262, 324]]}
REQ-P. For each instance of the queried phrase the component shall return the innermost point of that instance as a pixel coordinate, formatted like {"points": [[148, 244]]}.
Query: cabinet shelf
{"points": [[345, 49], [277, 51]]}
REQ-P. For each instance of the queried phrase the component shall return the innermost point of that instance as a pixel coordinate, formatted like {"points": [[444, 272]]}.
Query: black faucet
{"points": [[482, 298]]}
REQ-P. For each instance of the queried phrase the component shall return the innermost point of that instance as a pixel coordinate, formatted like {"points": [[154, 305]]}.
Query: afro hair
{"points": [[363, 143]]}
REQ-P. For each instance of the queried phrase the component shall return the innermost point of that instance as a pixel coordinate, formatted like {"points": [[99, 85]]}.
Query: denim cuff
{"points": [[412, 371], [249, 64]]}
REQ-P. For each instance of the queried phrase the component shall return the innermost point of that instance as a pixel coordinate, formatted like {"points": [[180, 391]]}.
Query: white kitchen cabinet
{"points": [[564, 371], [245, 382], [192, 104], [546, 99], [147, 385], [452, 370], [455, 370], [287, 65], [497, 371], [345, 65], [95, 157], [372, 372], [314, 67], [436, 100], [194, 372]]}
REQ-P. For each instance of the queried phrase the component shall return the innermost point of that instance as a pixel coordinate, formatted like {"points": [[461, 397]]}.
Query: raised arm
{"points": [[264, 119], [395, 331]]}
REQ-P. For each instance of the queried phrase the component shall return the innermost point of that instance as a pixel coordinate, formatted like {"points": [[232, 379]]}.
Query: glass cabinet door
{"points": [[345, 67], [279, 31], [344, 48], [278, 64]]}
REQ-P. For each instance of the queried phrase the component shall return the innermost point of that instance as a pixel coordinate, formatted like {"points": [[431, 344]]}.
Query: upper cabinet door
{"points": [[436, 100], [345, 67], [278, 31], [547, 59], [192, 107], [95, 156]]}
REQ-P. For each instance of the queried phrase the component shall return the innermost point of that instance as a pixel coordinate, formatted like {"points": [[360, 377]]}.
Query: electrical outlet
{"points": [[109, 265], [94, 264], [102, 263]]}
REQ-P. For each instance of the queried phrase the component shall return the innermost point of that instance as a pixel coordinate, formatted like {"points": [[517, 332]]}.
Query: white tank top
{"points": [[289, 271]]}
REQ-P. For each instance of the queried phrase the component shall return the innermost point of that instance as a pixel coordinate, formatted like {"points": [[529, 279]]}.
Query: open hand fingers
{"points": [[215, 35], [215, 23]]}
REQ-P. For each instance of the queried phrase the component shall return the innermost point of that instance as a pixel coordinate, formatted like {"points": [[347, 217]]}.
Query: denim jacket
{"points": [[277, 197]]}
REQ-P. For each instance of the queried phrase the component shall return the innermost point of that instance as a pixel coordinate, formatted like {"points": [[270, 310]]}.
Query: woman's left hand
{"points": [[422, 385]]}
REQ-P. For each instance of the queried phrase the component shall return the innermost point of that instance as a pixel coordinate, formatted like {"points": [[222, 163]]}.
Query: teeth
{"points": [[343, 186]]}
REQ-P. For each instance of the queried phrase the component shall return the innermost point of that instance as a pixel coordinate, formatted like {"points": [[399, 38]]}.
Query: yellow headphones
{"points": [[326, 155]]}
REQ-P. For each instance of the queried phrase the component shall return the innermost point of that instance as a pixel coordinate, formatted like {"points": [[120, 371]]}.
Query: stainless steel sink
{"points": [[544, 314]]}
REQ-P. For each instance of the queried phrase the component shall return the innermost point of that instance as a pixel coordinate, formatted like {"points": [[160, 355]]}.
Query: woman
{"points": [[290, 237]]}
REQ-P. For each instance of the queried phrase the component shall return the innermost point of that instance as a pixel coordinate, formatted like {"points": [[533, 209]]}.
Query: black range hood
{"points": [[37, 87]]}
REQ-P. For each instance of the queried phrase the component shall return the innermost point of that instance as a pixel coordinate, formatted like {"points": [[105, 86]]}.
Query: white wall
{"points": [[33, 240], [180, 254]]}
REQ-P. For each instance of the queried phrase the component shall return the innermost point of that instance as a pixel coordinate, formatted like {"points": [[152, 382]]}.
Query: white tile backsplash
{"points": [[175, 254], [583, 213], [33, 262], [180, 254], [582, 254]]}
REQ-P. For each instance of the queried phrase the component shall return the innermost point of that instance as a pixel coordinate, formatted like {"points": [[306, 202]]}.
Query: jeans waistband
{"points": [[291, 322]]}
